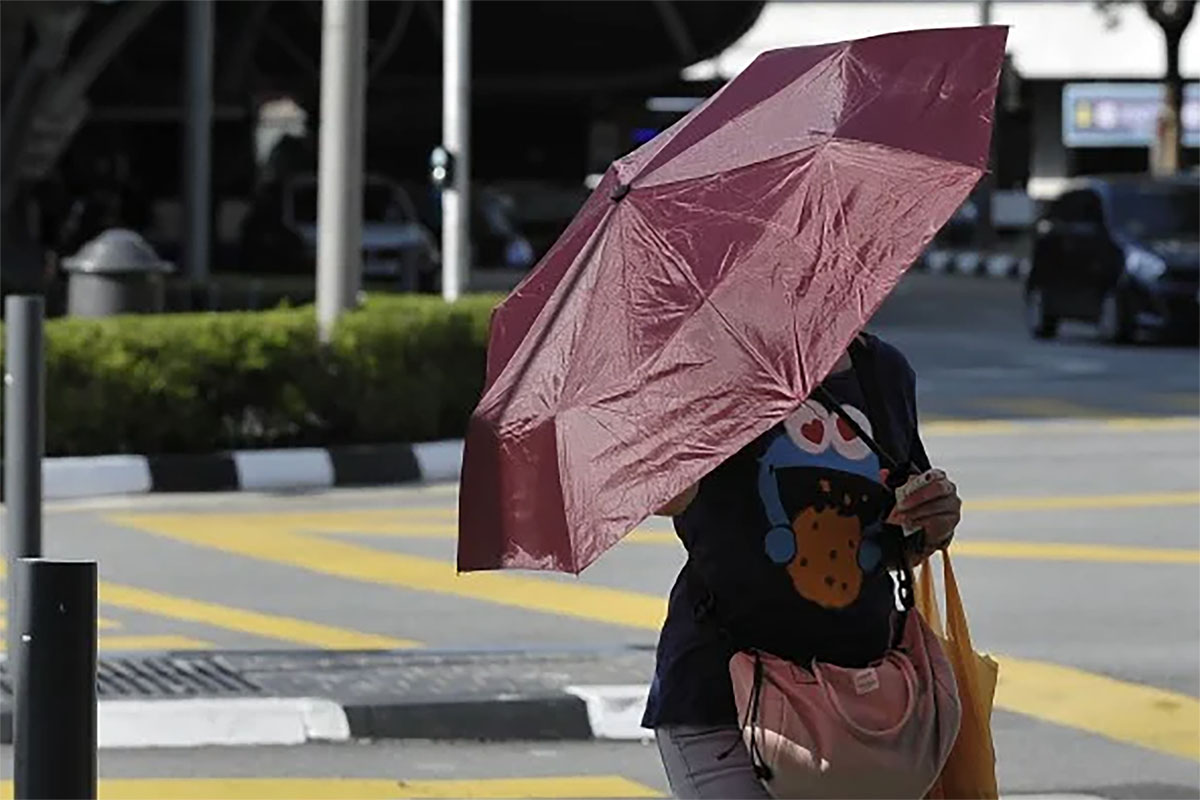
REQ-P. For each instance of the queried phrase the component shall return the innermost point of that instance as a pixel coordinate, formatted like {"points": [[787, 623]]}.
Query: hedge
{"points": [[402, 368]]}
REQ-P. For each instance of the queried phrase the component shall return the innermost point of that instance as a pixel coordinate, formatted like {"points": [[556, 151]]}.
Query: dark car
{"points": [[1123, 253], [497, 242], [280, 233]]}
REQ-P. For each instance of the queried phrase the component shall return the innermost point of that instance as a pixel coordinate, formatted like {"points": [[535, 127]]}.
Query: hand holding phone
{"points": [[929, 504]]}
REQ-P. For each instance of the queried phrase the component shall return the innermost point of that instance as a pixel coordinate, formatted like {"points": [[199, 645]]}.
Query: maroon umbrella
{"points": [[711, 281]]}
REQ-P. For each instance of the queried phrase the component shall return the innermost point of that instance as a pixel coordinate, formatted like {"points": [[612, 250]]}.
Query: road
{"points": [[1078, 558]]}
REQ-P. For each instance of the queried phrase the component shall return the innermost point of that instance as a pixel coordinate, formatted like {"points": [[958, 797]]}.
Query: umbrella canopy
{"points": [[713, 278]]}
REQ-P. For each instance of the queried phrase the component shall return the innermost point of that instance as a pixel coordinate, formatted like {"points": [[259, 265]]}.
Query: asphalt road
{"points": [[1079, 560], [965, 338]]}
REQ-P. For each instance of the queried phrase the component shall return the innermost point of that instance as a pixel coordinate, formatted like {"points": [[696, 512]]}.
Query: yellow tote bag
{"points": [[970, 772]]}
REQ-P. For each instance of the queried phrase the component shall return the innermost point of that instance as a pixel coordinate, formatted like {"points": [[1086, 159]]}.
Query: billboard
{"points": [[1122, 114]]}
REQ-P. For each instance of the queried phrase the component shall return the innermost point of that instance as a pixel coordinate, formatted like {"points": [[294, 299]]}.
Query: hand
{"points": [[934, 508]]}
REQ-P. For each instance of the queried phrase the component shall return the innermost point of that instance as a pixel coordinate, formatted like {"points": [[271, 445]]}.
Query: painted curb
{"points": [[948, 261], [210, 722], [293, 469], [239, 721], [576, 714]]}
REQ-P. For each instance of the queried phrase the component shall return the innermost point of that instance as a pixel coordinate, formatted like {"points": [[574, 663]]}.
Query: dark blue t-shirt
{"points": [[785, 548]]}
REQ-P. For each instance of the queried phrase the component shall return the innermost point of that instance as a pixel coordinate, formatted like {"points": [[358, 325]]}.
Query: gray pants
{"points": [[691, 758]]}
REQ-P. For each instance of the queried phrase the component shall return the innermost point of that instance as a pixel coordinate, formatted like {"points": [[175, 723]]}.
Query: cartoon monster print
{"points": [[831, 478]]}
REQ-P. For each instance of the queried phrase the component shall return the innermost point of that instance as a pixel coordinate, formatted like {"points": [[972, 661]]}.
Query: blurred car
{"points": [[279, 234], [497, 242], [542, 209], [960, 229], [1120, 252]]}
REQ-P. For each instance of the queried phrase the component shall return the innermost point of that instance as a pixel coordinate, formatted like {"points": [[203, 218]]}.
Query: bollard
{"points": [[24, 421], [54, 697]]}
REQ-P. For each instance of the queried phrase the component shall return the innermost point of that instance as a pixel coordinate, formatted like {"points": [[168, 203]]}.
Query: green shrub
{"points": [[402, 368]]}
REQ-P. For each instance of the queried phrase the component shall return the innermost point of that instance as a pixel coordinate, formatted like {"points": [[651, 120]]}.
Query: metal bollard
{"points": [[54, 698], [24, 423]]}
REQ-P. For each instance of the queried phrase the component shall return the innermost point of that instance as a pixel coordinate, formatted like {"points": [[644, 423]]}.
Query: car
{"points": [[497, 242], [280, 233], [1120, 252]]}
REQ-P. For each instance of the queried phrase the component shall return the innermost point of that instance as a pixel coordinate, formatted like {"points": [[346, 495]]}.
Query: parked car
{"points": [[280, 233], [497, 242], [1120, 252]]}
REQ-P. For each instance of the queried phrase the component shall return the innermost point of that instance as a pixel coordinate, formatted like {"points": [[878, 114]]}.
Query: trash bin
{"points": [[118, 272]]}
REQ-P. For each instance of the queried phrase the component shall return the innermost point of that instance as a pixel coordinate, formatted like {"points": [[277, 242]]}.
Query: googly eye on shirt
{"points": [[843, 438], [810, 428]]}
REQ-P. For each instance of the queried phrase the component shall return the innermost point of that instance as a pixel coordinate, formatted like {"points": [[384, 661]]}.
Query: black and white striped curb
{"points": [[1008, 266], [252, 470], [280, 697], [576, 714]]}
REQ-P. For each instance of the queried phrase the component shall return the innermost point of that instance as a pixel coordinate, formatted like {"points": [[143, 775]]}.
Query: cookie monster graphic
{"points": [[821, 489]]}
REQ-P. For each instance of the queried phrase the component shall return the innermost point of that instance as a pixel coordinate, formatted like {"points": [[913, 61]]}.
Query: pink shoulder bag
{"points": [[826, 731]]}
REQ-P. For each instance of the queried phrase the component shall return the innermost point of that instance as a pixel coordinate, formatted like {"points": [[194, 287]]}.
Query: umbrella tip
{"points": [[619, 191]]}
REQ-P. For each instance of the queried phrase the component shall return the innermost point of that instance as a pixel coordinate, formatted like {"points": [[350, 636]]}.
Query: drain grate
{"points": [[162, 677], [170, 676]]}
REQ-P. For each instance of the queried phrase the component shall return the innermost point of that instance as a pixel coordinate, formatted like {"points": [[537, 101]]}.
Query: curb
{"points": [[1002, 266], [578, 713], [289, 469]]}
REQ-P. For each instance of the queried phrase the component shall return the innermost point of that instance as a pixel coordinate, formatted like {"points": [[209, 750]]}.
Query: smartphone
{"points": [[914, 537]]}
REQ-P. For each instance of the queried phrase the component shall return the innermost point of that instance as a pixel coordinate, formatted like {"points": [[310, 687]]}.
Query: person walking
{"points": [[792, 551]]}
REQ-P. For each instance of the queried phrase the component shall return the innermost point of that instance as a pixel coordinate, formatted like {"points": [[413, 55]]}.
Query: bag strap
{"points": [[866, 370], [862, 357]]}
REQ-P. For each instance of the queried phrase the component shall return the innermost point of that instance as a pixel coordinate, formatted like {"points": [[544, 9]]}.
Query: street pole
{"points": [[197, 137], [355, 156], [456, 127], [339, 189], [54, 697], [24, 422], [985, 229]]}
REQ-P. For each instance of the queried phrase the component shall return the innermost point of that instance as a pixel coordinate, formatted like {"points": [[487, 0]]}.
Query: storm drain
{"points": [[163, 677]]}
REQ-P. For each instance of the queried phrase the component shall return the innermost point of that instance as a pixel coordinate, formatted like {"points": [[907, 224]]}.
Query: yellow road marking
{"points": [[1180, 401], [1145, 424], [269, 626], [1045, 407], [401, 521], [1140, 715], [1062, 551], [969, 427], [102, 623], [354, 562], [1123, 711], [1022, 550], [592, 786], [1084, 502], [164, 642], [1111, 424]]}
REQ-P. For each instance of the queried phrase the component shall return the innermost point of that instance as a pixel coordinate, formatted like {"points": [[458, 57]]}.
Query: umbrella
{"points": [[711, 281]]}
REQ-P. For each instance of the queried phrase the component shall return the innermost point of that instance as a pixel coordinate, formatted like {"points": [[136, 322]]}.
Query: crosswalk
{"points": [[345, 576], [339, 543]]}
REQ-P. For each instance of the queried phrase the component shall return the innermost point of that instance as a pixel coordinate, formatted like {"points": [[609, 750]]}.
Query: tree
{"points": [[1173, 17]]}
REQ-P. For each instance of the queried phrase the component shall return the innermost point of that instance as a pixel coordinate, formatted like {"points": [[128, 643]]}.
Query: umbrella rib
{"points": [[807, 77], [705, 298]]}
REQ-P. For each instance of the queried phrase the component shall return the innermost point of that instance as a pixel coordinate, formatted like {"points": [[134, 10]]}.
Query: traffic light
{"points": [[441, 167]]}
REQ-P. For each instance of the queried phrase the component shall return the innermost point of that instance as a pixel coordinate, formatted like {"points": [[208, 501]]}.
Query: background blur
{"points": [[95, 113]]}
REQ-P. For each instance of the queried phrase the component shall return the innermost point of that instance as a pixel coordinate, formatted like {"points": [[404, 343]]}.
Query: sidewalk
{"points": [[292, 697]]}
